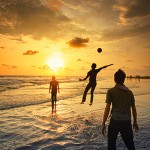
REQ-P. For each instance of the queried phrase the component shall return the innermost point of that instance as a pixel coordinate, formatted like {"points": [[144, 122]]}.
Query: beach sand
{"points": [[75, 126]]}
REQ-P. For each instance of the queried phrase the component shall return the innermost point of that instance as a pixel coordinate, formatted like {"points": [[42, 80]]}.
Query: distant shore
{"points": [[138, 77]]}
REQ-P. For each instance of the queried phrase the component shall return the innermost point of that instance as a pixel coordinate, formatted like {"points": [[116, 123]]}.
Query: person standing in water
{"points": [[92, 81], [53, 88], [122, 100]]}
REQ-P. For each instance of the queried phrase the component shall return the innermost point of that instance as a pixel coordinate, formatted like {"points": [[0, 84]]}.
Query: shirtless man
{"points": [[53, 88]]}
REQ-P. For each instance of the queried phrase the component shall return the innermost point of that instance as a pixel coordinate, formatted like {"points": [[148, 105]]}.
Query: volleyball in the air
{"points": [[99, 50]]}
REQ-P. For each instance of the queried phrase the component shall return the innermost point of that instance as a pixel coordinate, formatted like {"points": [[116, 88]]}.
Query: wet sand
{"points": [[75, 126]]}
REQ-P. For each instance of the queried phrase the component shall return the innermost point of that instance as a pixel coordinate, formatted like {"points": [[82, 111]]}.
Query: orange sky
{"points": [[61, 37]]}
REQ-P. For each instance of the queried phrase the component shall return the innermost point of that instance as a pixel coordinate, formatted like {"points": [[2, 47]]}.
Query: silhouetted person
{"points": [[53, 88], [92, 81], [122, 100]]}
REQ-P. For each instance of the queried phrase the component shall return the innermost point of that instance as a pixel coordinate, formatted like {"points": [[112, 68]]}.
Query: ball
{"points": [[99, 50]]}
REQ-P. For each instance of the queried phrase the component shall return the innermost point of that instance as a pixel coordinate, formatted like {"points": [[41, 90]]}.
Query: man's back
{"points": [[54, 85], [122, 100], [92, 74]]}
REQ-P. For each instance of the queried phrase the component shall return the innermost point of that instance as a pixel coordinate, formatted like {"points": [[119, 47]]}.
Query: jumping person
{"points": [[122, 100], [92, 81], [53, 88]]}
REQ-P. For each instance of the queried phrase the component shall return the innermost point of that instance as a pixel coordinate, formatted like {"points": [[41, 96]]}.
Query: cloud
{"points": [[78, 42], [52, 4], [95, 13], [32, 18], [18, 39], [45, 67], [79, 59], [129, 60], [2, 47], [14, 67], [139, 8], [130, 10], [118, 34], [9, 66], [5, 65], [133, 21], [30, 52], [33, 66], [147, 67]]}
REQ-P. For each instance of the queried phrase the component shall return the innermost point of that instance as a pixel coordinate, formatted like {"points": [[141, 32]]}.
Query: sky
{"points": [[61, 37]]}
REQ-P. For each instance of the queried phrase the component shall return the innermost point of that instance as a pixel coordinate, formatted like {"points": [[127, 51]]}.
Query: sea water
{"points": [[26, 121], [18, 91]]}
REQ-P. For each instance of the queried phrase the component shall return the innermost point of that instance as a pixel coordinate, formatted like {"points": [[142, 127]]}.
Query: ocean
{"points": [[16, 91], [26, 122]]}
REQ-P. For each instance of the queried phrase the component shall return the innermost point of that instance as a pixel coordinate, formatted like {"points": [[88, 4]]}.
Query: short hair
{"points": [[93, 65], [119, 76], [53, 77]]}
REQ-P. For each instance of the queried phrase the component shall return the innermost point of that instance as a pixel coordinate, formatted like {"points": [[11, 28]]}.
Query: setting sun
{"points": [[55, 62]]}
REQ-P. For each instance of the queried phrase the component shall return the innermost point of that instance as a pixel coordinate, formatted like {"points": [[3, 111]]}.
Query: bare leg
{"points": [[55, 99], [85, 93], [92, 94], [53, 104], [52, 107]]}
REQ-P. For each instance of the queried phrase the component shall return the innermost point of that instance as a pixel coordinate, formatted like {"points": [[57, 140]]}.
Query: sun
{"points": [[55, 62]]}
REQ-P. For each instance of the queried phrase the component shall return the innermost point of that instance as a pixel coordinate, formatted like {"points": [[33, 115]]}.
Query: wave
{"points": [[23, 91], [5, 106], [19, 100], [144, 93], [17, 82]]}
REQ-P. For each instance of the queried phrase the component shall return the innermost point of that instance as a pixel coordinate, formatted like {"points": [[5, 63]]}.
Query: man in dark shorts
{"points": [[53, 88], [92, 81], [122, 100]]}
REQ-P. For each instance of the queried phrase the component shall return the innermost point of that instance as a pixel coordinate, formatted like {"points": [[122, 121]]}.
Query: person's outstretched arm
{"points": [[84, 78], [105, 116], [105, 66], [134, 113]]}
